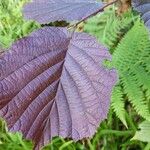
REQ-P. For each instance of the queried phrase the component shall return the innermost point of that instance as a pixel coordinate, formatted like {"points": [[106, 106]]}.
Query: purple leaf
{"points": [[45, 11], [143, 6], [51, 85]]}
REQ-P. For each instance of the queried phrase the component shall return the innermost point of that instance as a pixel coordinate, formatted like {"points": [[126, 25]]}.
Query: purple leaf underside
{"points": [[143, 6], [45, 11], [53, 86]]}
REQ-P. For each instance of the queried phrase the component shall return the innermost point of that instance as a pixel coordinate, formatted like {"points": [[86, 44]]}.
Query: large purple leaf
{"points": [[45, 11], [143, 6], [52, 85]]}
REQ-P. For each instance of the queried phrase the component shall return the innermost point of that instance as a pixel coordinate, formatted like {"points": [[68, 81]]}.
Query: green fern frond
{"points": [[132, 48], [118, 104], [129, 59], [143, 78], [109, 28], [135, 95]]}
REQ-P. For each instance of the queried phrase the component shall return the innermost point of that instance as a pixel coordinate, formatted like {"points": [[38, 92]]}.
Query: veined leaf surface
{"points": [[143, 6], [54, 85], [45, 11]]}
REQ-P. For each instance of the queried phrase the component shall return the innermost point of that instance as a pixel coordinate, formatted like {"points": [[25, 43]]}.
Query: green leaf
{"points": [[118, 104], [144, 133]]}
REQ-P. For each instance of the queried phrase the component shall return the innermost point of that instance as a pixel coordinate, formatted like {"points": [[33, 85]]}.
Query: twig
{"points": [[93, 14]]}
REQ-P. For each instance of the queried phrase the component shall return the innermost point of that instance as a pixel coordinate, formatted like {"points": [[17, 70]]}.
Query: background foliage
{"points": [[12, 24], [128, 123]]}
